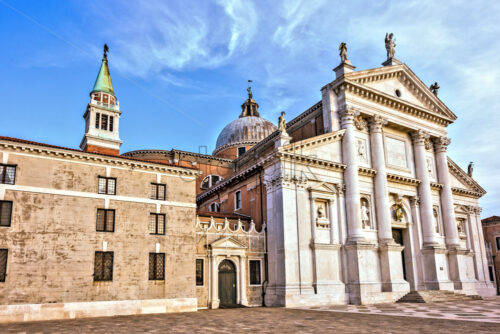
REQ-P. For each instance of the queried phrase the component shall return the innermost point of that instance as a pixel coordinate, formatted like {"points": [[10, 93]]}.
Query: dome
{"points": [[244, 130]]}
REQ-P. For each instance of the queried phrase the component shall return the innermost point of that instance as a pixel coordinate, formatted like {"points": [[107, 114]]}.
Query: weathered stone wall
{"points": [[52, 238]]}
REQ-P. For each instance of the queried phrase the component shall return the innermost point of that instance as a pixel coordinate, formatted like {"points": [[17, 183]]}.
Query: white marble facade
{"points": [[333, 219]]}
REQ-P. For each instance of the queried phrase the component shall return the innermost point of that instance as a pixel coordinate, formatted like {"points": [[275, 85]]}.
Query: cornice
{"points": [[235, 144], [308, 160], [403, 179], [314, 141], [165, 152], [367, 171], [466, 192], [393, 102], [464, 177], [436, 186], [90, 157], [297, 120]]}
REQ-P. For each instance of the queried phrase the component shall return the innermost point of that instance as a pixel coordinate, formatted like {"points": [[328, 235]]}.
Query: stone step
{"points": [[436, 296]]}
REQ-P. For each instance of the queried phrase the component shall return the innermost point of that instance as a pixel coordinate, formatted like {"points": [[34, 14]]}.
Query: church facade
{"points": [[353, 201]]}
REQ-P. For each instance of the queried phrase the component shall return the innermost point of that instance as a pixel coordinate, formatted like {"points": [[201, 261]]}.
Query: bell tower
{"points": [[102, 115]]}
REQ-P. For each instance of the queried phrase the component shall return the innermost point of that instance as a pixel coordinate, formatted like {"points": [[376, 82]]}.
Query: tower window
{"points": [[104, 122], [237, 200], [241, 151], [97, 119], [110, 123]]}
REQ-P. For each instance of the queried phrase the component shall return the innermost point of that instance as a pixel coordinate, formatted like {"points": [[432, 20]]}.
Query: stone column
{"points": [[351, 179], [416, 245], [450, 222], [424, 189], [243, 283], [214, 303], [381, 194]]}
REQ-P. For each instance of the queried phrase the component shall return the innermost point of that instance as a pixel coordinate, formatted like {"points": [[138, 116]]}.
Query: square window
{"points": [[157, 223], [156, 266], [5, 213], [7, 174], [103, 266], [106, 185], [105, 220], [255, 278], [199, 272], [158, 191], [3, 264]]}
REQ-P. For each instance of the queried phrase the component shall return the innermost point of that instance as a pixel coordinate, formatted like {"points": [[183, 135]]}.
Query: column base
{"points": [[214, 304], [436, 267], [391, 267]]}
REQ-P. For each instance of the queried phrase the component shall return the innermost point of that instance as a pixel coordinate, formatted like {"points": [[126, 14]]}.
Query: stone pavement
{"points": [[487, 310], [255, 320]]}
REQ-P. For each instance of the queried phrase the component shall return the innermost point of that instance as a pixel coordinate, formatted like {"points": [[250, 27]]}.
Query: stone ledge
{"points": [[74, 310]]}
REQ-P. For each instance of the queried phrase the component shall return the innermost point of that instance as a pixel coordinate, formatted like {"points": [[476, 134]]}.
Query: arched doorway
{"points": [[227, 283]]}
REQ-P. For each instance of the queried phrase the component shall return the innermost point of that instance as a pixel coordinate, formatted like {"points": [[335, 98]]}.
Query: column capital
{"points": [[419, 137], [441, 143], [414, 200], [340, 188], [347, 114], [376, 122]]}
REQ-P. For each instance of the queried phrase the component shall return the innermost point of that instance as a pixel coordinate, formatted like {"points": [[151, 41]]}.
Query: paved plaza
{"points": [[483, 317]]}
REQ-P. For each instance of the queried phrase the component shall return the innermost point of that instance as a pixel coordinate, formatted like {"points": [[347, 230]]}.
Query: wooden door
{"points": [[227, 283]]}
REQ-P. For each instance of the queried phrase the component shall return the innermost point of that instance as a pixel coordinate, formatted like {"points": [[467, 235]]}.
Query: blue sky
{"points": [[180, 68]]}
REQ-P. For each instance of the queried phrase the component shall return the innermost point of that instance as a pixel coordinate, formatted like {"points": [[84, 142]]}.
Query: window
{"points": [[5, 213], [199, 272], [7, 174], [498, 243], [103, 266], [97, 119], [490, 271], [104, 122], [156, 266], [158, 191], [105, 220], [237, 200], [241, 151], [157, 223], [210, 180], [254, 272], [111, 123], [106, 185], [3, 264], [214, 207]]}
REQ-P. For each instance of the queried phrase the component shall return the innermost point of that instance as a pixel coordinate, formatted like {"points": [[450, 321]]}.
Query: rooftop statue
{"points": [[106, 50], [249, 90], [470, 169], [343, 52], [282, 122], [434, 88], [390, 45]]}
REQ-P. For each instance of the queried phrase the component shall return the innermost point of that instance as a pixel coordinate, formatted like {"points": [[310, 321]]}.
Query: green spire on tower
{"points": [[103, 81]]}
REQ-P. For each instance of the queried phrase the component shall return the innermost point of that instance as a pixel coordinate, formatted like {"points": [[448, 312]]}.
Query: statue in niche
{"points": [[460, 226], [365, 213], [470, 169], [429, 166], [436, 220], [398, 212], [321, 211], [361, 151], [343, 52], [390, 45], [282, 122]]}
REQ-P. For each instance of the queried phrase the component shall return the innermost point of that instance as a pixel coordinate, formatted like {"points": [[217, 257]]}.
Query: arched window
{"points": [[210, 181], [214, 207]]}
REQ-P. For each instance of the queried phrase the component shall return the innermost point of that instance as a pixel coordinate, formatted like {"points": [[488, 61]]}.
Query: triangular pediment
{"points": [[324, 187], [461, 180], [412, 91], [227, 242]]}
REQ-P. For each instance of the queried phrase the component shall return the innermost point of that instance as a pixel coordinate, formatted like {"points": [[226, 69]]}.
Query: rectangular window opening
{"points": [[199, 272], [237, 200], [7, 174], [3, 264], [157, 223], [97, 119], [255, 278], [156, 266], [105, 220], [103, 266], [111, 123], [104, 122], [106, 185], [158, 191], [5, 213]]}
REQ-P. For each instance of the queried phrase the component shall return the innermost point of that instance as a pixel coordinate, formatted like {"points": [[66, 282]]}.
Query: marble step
{"points": [[435, 296]]}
